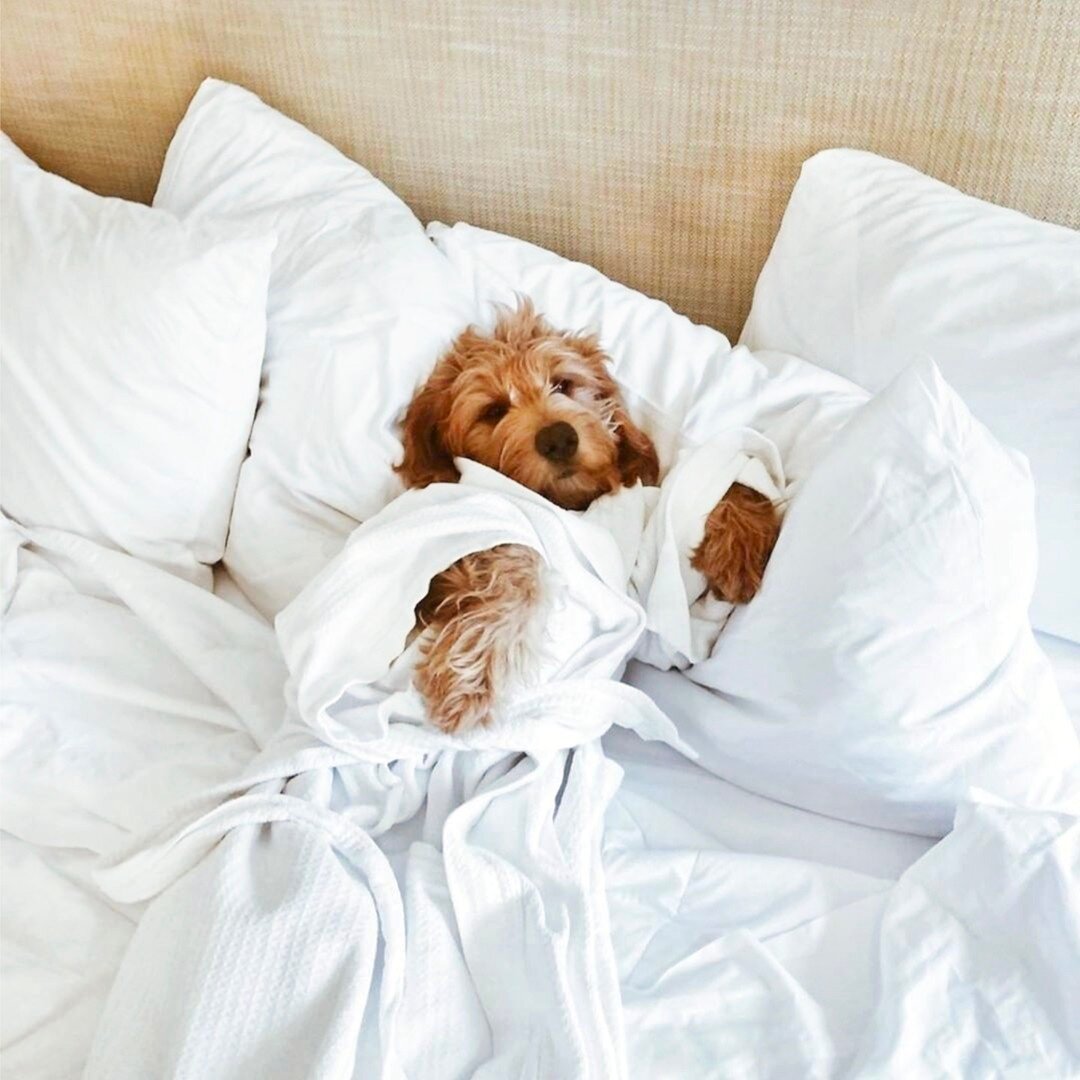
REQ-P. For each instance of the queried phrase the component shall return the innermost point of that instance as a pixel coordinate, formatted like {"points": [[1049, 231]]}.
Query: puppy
{"points": [[538, 405]]}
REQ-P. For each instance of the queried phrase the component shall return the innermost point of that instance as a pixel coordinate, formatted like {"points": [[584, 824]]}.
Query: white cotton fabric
{"points": [[360, 307], [130, 351], [962, 910], [1064, 658], [274, 946], [876, 264], [125, 691], [758, 966]]}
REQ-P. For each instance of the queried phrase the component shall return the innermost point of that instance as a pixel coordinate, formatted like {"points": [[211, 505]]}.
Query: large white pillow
{"points": [[130, 347], [887, 666], [875, 264], [361, 305]]}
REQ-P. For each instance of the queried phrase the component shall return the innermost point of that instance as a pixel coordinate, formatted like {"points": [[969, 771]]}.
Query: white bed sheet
{"points": [[811, 888], [749, 822], [1064, 657], [674, 801], [99, 704]]}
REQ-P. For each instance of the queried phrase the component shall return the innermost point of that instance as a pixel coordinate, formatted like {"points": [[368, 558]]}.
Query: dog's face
{"points": [[534, 403]]}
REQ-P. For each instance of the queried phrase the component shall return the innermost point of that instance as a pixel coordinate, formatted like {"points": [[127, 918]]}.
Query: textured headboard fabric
{"points": [[657, 140]]}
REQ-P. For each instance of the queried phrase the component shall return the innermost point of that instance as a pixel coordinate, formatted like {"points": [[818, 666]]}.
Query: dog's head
{"points": [[535, 403]]}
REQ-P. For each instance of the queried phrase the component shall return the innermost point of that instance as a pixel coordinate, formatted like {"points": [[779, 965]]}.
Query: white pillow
{"points": [[131, 346], [361, 306], [875, 264], [887, 666]]}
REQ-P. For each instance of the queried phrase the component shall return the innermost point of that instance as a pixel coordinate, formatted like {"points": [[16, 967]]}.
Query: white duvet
{"points": [[330, 888]]}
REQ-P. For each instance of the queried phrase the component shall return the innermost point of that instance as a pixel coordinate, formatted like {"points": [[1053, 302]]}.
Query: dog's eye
{"points": [[494, 412], [562, 386]]}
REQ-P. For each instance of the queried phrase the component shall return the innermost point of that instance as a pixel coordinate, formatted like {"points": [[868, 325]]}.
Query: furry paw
{"points": [[454, 705], [740, 533], [481, 615]]}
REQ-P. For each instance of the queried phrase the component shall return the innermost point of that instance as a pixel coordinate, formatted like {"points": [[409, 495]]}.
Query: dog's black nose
{"points": [[557, 442]]}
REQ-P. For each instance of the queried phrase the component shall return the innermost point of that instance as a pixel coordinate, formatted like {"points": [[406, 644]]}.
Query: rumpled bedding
{"points": [[334, 889]]}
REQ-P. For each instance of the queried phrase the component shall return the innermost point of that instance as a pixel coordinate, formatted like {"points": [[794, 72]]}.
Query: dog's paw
{"points": [[458, 710], [481, 618], [459, 695], [740, 534]]}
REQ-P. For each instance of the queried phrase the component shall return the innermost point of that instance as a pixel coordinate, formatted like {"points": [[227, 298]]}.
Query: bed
{"points": [[724, 902]]}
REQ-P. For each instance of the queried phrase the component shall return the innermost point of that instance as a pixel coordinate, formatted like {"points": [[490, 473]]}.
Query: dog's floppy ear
{"points": [[427, 460], [637, 455]]}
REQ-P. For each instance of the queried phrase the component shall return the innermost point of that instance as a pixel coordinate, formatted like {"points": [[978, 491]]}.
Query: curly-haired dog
{"points": [[538, 405]]}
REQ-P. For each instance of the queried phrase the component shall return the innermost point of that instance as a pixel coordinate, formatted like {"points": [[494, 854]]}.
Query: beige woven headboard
{"points": [[656, 140]]}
